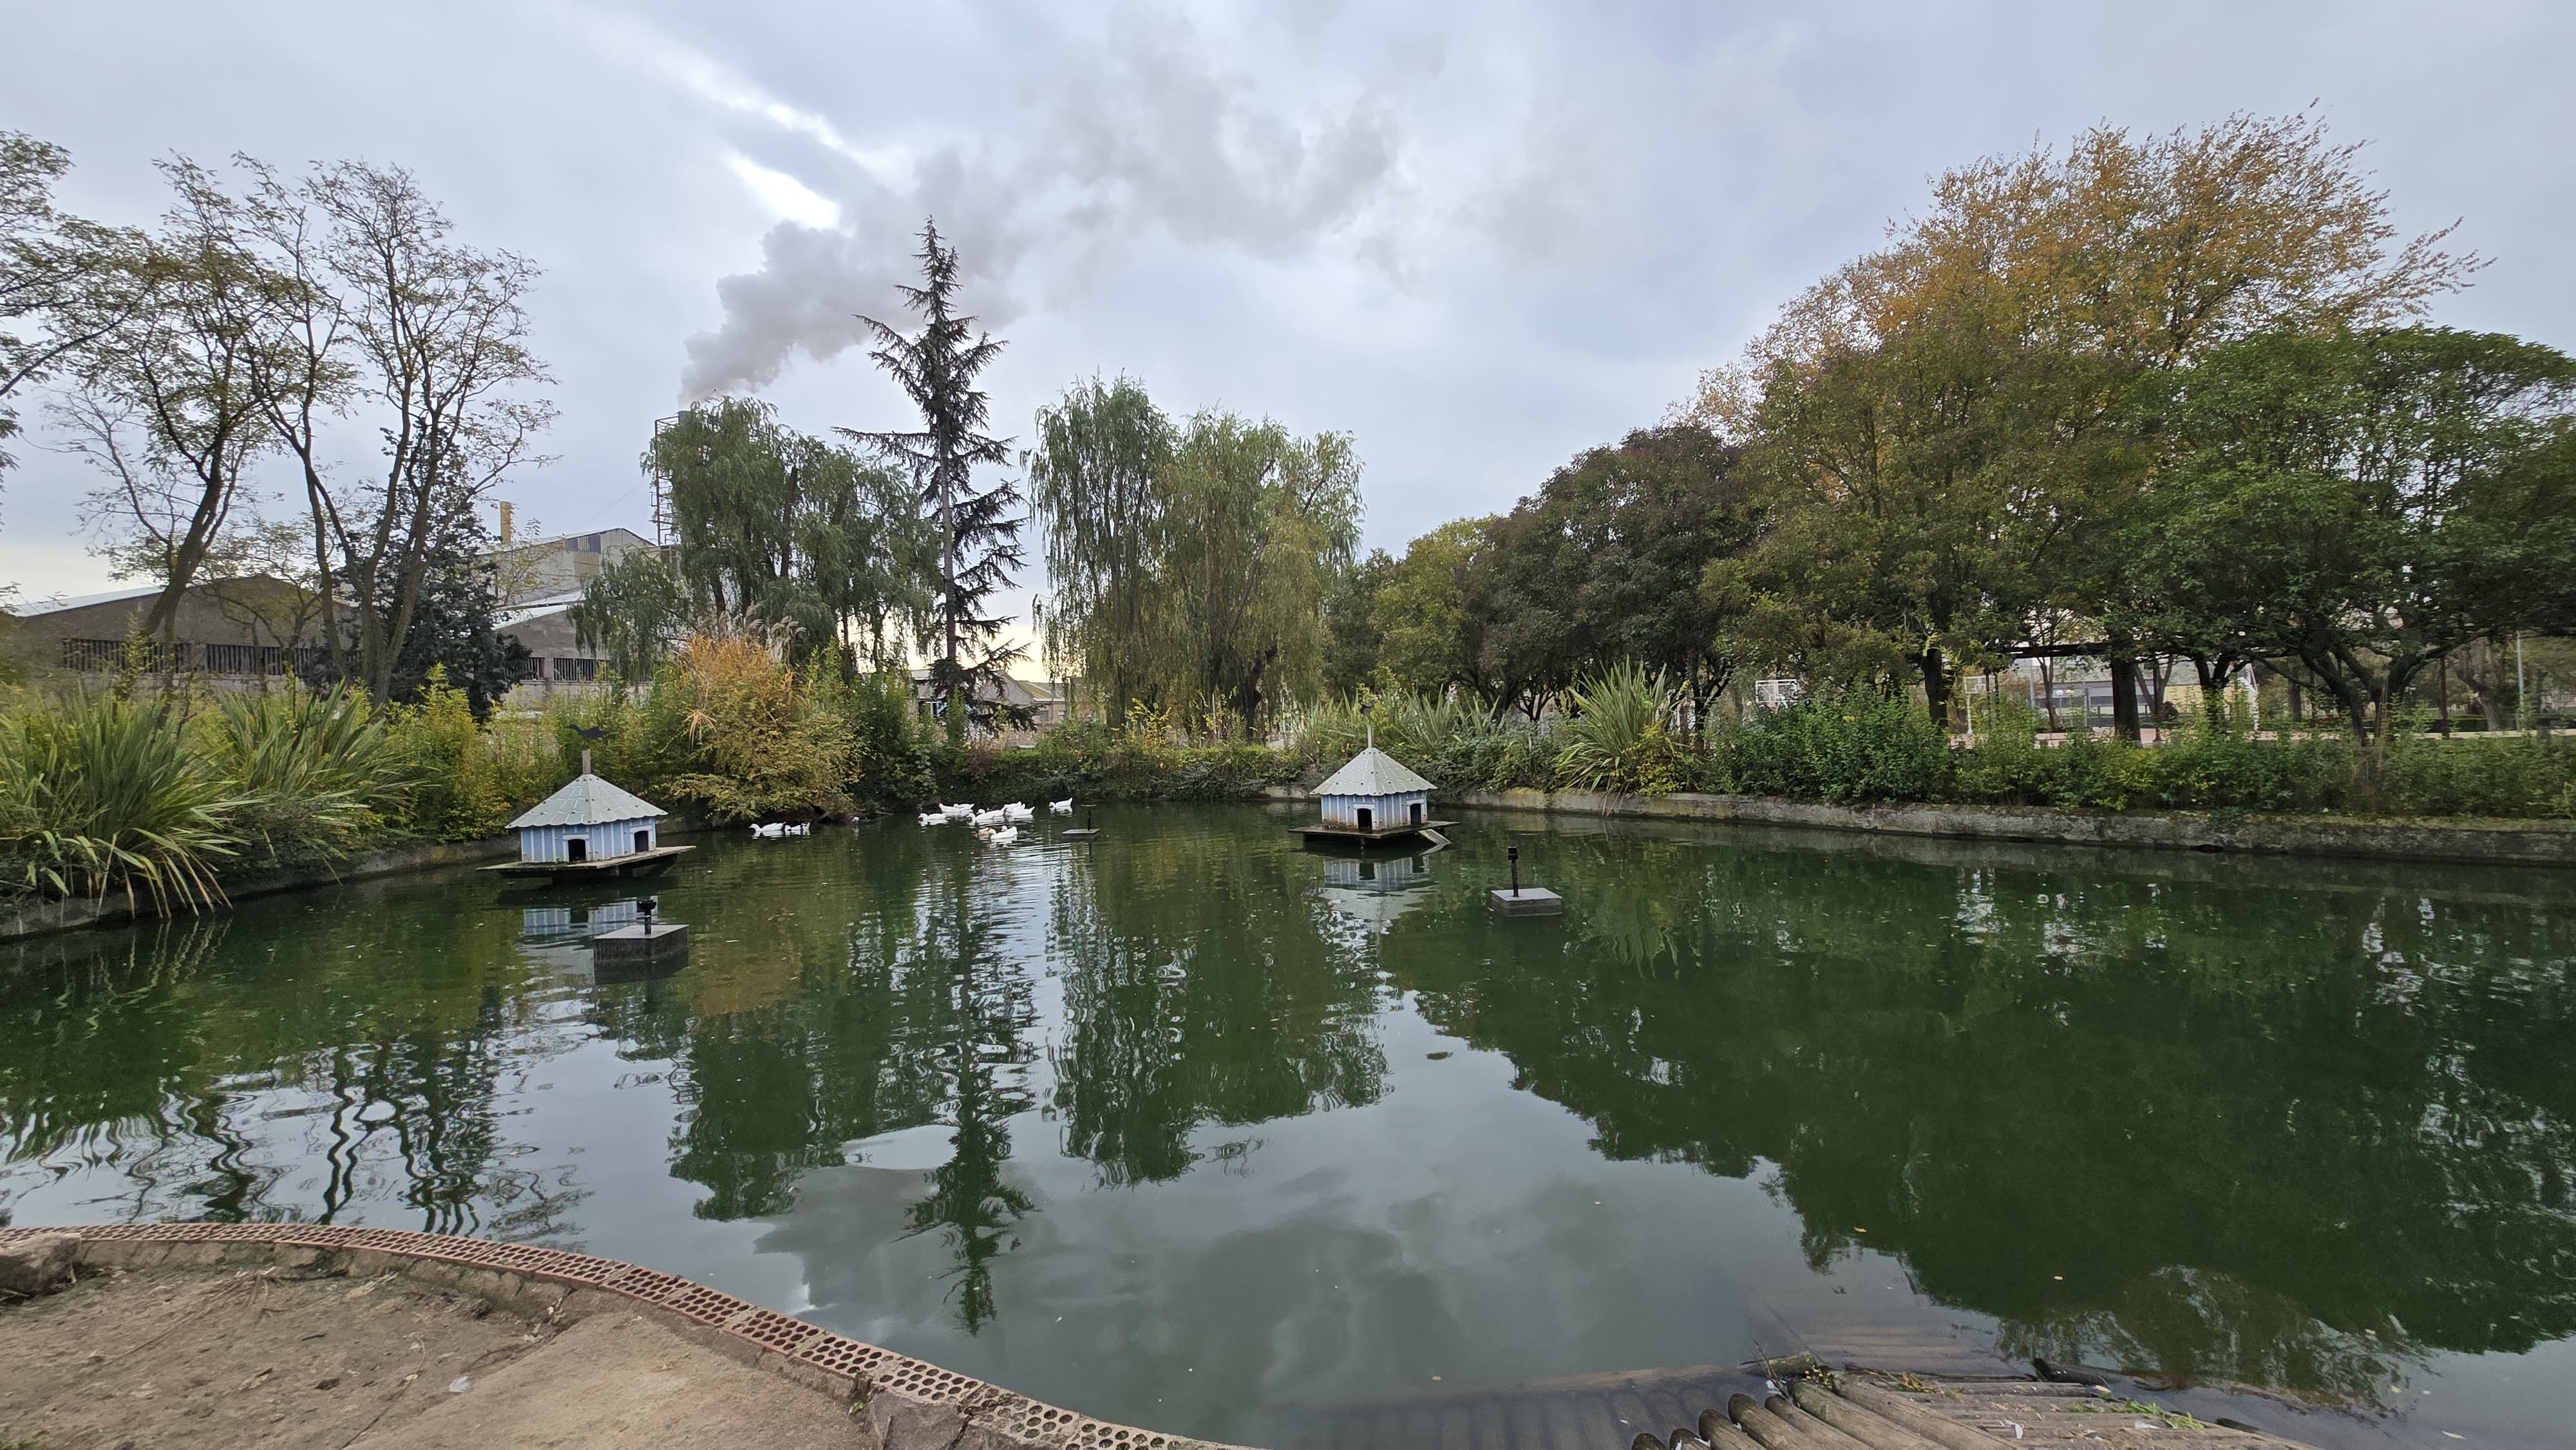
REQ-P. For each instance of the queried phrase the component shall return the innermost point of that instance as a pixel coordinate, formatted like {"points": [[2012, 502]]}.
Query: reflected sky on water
{"points": [[1194, 1128]]}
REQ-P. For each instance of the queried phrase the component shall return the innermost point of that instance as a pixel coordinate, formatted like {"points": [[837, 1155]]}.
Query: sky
{"points": [[1477, 238]]}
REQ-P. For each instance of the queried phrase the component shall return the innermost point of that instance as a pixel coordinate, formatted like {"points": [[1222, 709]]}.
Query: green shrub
{"points": [[1855, 744], [469, 780], [102, 796], [889, 746], [2425, 774]]}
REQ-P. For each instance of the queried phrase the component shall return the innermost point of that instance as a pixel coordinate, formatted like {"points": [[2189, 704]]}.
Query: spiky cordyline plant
{"points": [[101, 796], [311, 769], [1616, 733]]}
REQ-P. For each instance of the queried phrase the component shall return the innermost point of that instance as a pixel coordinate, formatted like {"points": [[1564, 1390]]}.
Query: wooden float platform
{"points": [[633, 863], [1382, 836]]}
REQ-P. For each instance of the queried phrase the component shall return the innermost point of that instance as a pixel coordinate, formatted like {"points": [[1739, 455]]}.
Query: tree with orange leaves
{"points": [[1948, 428]]}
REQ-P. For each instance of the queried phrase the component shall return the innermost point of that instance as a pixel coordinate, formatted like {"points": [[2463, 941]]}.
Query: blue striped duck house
{"points": [[588, 821], [1374, 794]]}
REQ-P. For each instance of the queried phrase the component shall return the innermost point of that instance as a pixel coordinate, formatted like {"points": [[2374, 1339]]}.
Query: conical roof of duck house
{"points": [[1373, 772], [588, 801], [588, 820]]}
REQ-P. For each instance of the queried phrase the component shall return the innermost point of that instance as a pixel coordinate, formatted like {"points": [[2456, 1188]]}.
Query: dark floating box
{"points": [[640, 950], [1529, 901]]}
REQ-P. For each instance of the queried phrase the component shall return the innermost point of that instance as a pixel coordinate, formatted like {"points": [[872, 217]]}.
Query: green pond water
{"points": [[1193, 1128]]}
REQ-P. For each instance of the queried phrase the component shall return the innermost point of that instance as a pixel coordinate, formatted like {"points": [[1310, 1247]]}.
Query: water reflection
{"points": [[2291, 1124], [225, 1069], [1376, 890], [550, 925], [1196, 991], [2137, 1120]]}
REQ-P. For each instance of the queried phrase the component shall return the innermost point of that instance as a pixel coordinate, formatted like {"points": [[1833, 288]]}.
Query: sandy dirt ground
{"points": [[194, 1359]]}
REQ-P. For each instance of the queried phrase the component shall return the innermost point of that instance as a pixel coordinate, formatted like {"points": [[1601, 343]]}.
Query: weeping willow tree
{"points": [[1190, 566], [1257, 525], [1096, 480], [776, 529]]}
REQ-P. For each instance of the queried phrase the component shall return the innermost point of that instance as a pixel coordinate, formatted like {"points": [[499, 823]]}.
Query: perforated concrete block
{"points": [[902, 1422]]}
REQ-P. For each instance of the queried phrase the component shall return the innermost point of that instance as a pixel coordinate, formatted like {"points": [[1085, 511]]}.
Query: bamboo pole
{"points": [[1774, 1433], [1814, 1429], [1852, 1420], [1937, 1428], [1721, 1433]]}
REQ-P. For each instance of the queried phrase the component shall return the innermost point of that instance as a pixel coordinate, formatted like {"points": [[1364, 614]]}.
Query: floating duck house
{"points": [[590, 828], [1375, 798]]}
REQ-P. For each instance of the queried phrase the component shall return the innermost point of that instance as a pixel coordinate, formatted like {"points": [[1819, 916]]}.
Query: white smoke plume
{"points": [[1158, 139]]}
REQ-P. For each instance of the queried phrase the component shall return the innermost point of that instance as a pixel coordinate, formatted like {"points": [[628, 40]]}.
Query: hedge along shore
{"points": [[2469, 842], [2481, 843], [900, 1403]]}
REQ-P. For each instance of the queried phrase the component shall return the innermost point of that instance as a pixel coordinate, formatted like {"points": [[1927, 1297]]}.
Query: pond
{"points": [[1196, 1129]]}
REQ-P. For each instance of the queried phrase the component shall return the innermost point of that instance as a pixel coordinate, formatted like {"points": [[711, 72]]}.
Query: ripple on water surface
{"points": [[1193, 1128]]}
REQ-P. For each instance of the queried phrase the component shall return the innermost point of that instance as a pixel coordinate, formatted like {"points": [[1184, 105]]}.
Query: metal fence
{"points": [[106, 656]]}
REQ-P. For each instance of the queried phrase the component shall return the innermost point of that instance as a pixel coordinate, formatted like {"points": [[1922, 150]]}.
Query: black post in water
{"points": [[645, 908], [1536, 901]]}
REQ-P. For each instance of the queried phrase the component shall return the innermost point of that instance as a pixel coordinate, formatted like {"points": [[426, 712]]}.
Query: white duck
{"points": [[958, 813], [1014, 811], [770, 832], [1007, 835], [934, 818], [993, 817], [1063, 807]]}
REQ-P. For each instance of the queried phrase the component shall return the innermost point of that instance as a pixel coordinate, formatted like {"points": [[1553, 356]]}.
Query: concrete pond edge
{"points": [[78, 915], [2478, 843], [904, 1403]]}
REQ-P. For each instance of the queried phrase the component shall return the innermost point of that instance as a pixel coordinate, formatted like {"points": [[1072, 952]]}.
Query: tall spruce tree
{"points": [[978, 532]]}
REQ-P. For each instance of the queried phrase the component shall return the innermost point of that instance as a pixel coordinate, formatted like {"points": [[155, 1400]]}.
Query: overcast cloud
{"points": [[1478, 238]]}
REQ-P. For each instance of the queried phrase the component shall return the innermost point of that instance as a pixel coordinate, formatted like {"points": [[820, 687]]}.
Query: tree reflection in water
{"points": [[2290, 1123], [975, 1044], [2282, 1124], [1197, 990], [187, 1055]]}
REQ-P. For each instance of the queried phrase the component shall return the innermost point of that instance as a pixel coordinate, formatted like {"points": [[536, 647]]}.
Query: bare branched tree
{"points": [[439, 335], [168, 404], [52, 267]]}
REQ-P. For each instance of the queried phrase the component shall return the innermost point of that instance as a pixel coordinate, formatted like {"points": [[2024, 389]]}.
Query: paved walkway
{"points": [[191, 1358]]}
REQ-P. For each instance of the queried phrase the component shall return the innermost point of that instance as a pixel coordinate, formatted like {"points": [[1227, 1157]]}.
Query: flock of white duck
{"points": [[999, 826]]}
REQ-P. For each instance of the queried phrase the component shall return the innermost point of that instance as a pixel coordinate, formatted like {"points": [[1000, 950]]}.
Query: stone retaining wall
{"points": [[2484, 843], [904, 1403], [55, 916]]}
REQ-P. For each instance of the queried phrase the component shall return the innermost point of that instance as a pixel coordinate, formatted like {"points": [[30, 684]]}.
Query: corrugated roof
{"points": [[59, 603], [588, 801], [1372, 772], [521, 613]]}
